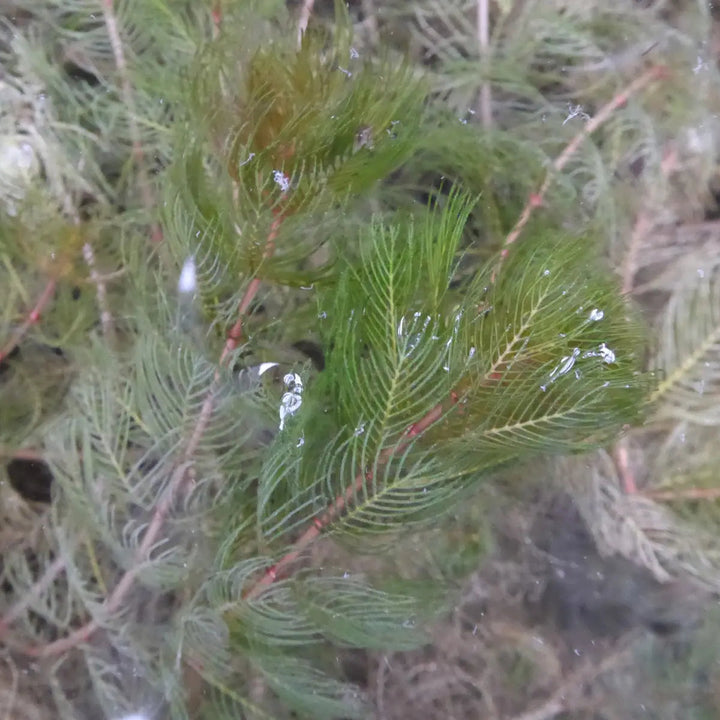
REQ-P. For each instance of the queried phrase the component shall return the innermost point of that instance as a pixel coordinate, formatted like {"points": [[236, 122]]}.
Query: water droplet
{"points": [[575, 111], [606, 353], [603, 352], [187, 284], [291, 400], [564, 366], [546, 272], [596, 315], [282, 180]]}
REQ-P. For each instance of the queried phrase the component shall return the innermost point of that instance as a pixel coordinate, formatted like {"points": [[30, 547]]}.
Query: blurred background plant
{"points": [[230, 251]]}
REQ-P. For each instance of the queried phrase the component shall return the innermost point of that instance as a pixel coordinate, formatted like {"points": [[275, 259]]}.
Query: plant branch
{"points": [[304, 19], [21, 454], [236, 332], [621, 458], [106, 319], [537, 199], [319, 524], [38, 588], [644, 224], [483, 36], [341, 502], [182, 477], [32, 318], [138, 154], [691, 493]]}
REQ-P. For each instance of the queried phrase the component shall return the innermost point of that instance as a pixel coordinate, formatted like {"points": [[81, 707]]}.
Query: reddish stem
{"points": [[217, 16], [32, 319], [617, 101], [181, 478], [692, 493], [534, 201], [343, 501], [622, 462], [305, 13], [21, 454], [236, 331]]}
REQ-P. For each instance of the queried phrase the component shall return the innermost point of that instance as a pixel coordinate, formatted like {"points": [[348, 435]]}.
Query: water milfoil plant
{"points": [[293, 344]]}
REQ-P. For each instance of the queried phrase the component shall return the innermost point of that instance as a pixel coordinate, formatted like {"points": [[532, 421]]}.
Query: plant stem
{"points": [[21, 454], [621, 457], [483, 36], [304, 19], [644, 224], [235, 334], [106, 319], [341, 502], [38, 588], [32, 319], [691, 493], [618, 100], [183, 476], [138, 154]]}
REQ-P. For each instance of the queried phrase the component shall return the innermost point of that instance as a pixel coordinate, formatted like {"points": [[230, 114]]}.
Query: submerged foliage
{"points": [[285, 297]]}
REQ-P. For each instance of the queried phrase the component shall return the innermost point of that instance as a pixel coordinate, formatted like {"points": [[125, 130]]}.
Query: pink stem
{"points": [[537, 199], [182, 476], [32, 319]]}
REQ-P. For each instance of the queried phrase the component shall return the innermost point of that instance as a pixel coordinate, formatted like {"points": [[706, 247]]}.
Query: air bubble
{"points": [[282, 180], [291, 400], [187, 284]]}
